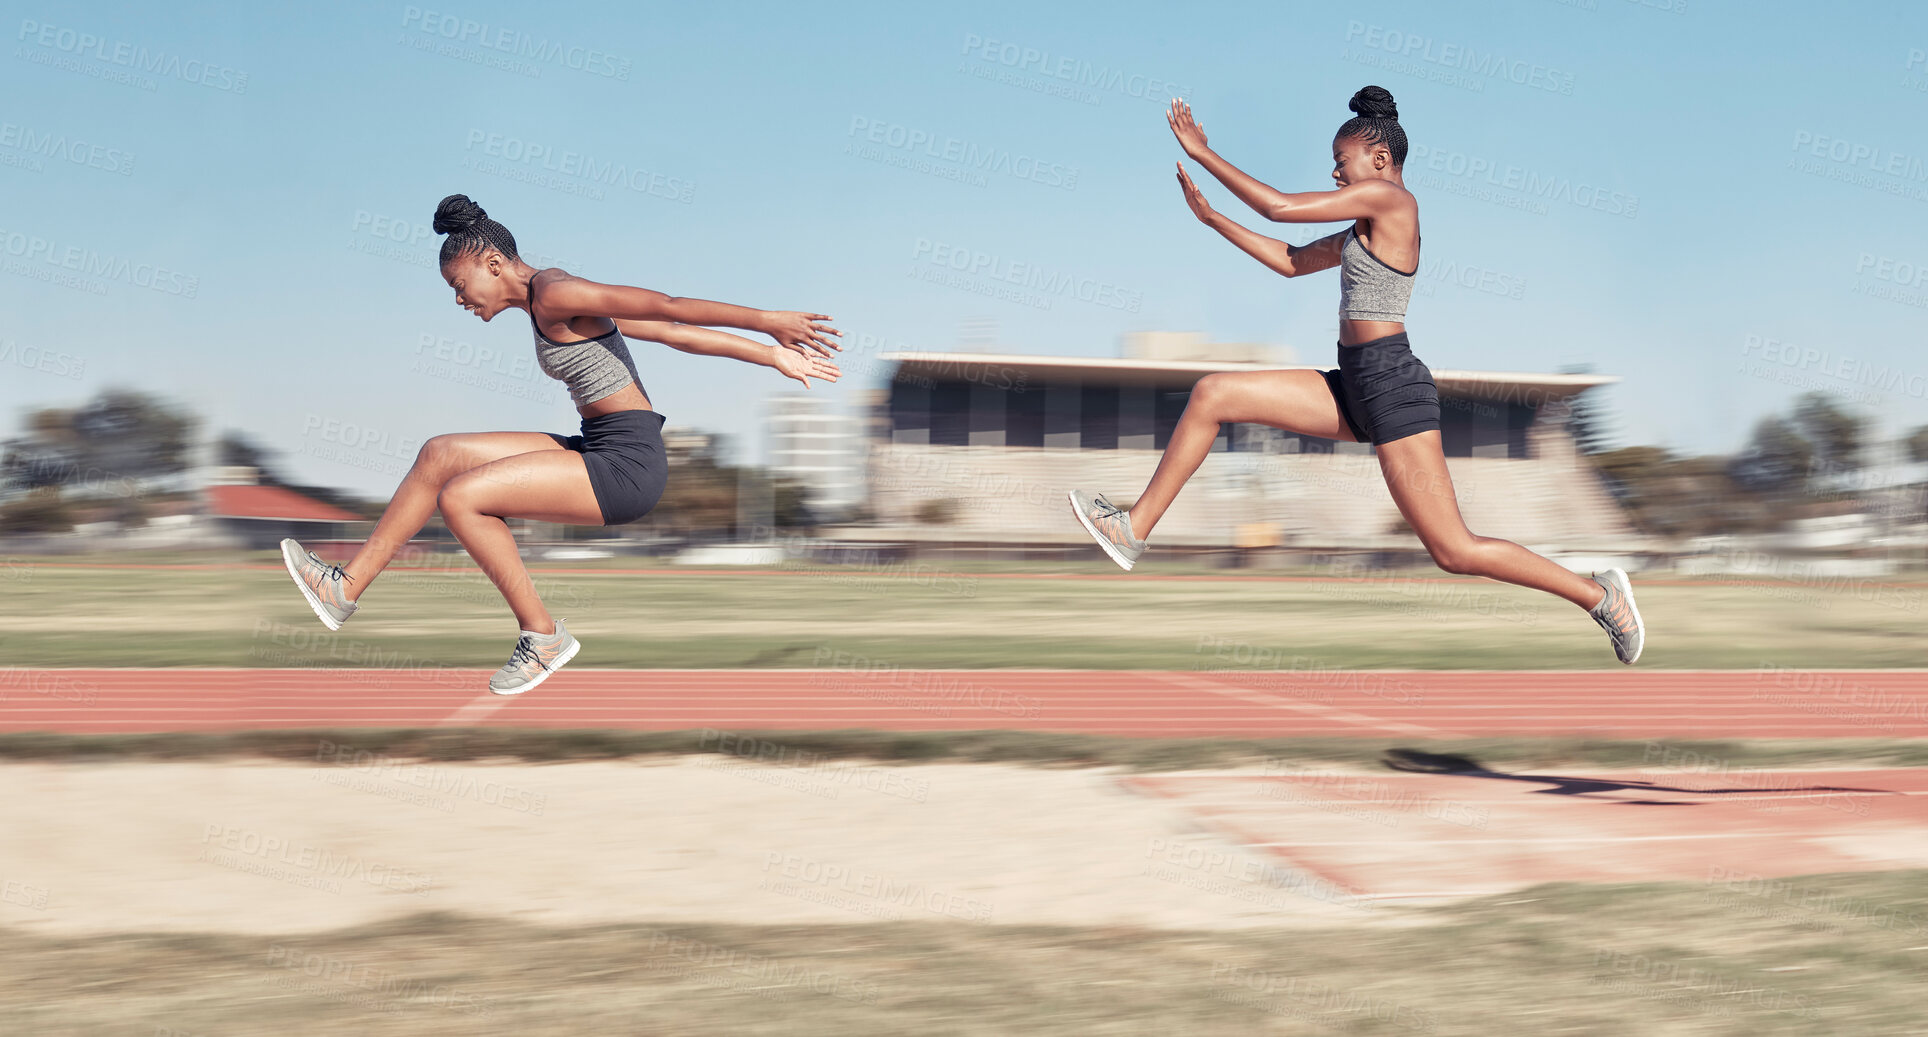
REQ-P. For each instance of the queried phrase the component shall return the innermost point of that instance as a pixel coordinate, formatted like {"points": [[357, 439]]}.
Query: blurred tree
{"points": [[700, 497], [1685, 496], [40, 511], [132, 432], [118, 438], [1834, 434], [1776, 459], [234, 448], [791, 506], [1917, 444]]}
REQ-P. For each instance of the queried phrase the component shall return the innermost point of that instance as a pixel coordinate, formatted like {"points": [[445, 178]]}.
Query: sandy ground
{"points": [[251, 846]]}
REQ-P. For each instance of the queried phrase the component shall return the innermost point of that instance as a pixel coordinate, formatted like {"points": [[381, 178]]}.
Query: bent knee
{"points": [[457, 495], [1208, 393], [440, 456], [1460, 558]]}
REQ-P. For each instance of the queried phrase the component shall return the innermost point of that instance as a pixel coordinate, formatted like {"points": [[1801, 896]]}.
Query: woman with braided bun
{"points": [[1380, 393], [611, 473]]}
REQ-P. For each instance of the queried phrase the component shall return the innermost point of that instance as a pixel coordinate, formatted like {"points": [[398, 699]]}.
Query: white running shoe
{"points": [[324, 585], [1109, 526], [1617, 615], [536, 656]]}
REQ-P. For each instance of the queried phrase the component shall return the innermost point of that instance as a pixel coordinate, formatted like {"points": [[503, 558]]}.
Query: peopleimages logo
{"points": [[1876, 158], [123, 54], [579, 165], [968, 155], [60, 147], [1490, 64], [1531, 183], [85, 261], [1073, 72], [1038, 281], [458, 29]]}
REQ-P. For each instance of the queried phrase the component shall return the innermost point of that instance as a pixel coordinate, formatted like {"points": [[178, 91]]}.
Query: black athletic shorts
{"points": [[1383, 391], [628, 467]]}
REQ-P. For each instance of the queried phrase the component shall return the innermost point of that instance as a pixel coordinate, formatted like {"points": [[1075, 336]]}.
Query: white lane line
{"points": [[1279, 801], [1563, 839], [1308, 708], [483, 705]]}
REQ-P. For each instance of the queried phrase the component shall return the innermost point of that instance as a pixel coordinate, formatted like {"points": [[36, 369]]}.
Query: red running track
{"points": [[1412, 704]]}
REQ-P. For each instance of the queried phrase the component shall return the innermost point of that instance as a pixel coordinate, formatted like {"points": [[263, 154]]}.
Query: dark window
{"points": [[988, 409], [910, 407], [1456, 426], [1099, 418], [1169, 405], [950, 413], [1518, 417], [1060, 412], [1024, 417]]}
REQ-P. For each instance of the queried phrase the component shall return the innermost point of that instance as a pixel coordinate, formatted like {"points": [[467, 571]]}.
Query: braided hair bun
{"points": [[457, 212], [1372, 102], [1377, 122], [470, 230]]}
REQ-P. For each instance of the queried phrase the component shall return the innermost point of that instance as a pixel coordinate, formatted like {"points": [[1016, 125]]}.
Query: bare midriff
{"points": [[629, 397], [1353, 332]]}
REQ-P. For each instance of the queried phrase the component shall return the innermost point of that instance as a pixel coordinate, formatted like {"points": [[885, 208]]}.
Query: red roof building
{"points": [[260, 516], [272, 502]]}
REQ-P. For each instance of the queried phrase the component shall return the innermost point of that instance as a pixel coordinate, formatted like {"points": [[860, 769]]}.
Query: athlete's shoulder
{"points": [[1383, 192], [560, 287]]}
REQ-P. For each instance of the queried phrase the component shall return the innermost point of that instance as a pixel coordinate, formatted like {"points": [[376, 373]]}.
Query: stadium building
{"points": [[978, 449], [817, 447]]}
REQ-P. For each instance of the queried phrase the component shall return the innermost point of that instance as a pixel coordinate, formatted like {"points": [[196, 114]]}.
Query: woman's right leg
{"points": [[441, 458], [1296, 401]]}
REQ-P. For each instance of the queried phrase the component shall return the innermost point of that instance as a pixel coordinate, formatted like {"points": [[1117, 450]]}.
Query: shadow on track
{"points": [[1419, 762]]}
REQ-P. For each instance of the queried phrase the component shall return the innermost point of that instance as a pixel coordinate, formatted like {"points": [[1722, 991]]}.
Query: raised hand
{"points": [[795, 363], [1191, 136], [1194, 197], [801, 331]]}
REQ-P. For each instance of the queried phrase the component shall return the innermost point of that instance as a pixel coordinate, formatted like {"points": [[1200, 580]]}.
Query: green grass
{"points": [[921, 617], [1832, 954], [1036, 747]]}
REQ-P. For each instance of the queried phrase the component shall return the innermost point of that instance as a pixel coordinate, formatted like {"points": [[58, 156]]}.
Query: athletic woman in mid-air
{"points": [[612, 473], [1380, 393]]}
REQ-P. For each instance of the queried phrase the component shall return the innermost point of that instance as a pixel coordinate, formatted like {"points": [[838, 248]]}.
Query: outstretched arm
{"points": [[1363, 200], [579, 296], [1287, 259], [691, 338]]}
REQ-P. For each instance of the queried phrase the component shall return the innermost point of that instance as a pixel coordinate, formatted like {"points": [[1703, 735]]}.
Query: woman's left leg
{"points": [[1416, 473], [545, 485]]}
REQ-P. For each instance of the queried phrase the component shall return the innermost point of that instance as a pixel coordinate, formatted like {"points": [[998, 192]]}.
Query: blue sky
{"points": [[1721, 203]]}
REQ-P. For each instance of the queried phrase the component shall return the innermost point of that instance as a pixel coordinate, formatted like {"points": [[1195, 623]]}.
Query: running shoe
{"points": [[536, 656], [1617, 615], [324, 585], [1109, 526]]}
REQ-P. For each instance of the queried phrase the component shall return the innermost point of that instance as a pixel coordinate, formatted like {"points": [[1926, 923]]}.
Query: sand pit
{"points": [[261, 847]]}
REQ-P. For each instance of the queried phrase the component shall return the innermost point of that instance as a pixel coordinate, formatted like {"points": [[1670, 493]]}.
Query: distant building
{"points": [[260, 516], [820, 448], [974, 448], [682, 442]]}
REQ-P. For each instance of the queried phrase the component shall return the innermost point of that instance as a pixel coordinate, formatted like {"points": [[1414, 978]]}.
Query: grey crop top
{"points": [[592, 368], [1368, 288]]}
